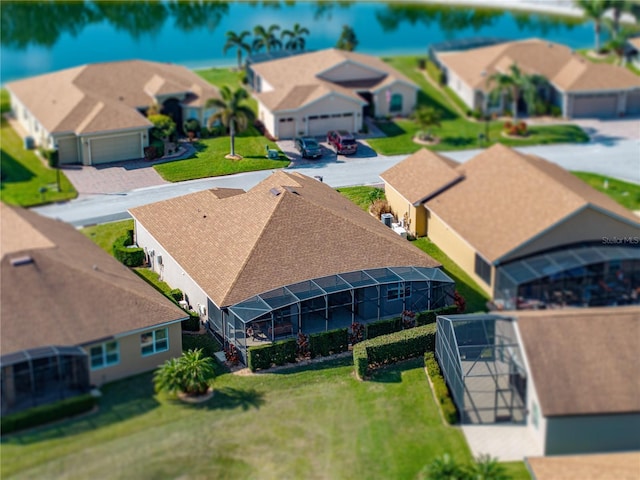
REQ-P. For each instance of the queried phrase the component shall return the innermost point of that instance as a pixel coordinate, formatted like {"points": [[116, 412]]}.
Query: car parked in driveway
{"points": [[342, 142], [308, 147]]}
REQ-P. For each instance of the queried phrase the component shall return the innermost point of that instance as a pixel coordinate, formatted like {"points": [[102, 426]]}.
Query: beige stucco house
{"points": [[311, 93], [518, 225], [72, 315], [580, 88], [95, 113]]}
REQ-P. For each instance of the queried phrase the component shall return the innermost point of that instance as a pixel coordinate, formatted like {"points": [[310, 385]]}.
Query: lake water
{"points": [[44, 37]]}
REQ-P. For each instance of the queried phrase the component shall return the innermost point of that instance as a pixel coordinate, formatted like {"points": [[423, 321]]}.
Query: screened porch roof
{"points": [[40, 352], [258, 305]]}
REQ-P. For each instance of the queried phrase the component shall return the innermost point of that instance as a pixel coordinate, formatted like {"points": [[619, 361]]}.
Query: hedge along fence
{"points": [[440, 389], [383, 327], [326, 343], [279, 353], [428, 317], [47, 413], [192, 324], [393, 347], [131, 257]]}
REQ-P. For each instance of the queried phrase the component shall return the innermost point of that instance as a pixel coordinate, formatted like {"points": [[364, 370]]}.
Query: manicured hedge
{"points": [[176, 294], [428, 317], [192, 324], [383, 327], [393, 347], [281, 352], [327, 343], [449, 410], [47, 413], [131, 257]]}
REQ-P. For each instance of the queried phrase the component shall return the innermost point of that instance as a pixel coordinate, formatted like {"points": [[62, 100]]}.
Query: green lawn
{"points": [[23, 173], [625, 193], [358, 195], [105, 234], [231, 78], [209, 160]]}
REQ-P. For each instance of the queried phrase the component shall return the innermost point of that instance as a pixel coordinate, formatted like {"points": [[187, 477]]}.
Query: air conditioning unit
{"points": [[159, 259], [202, 310], [387, 219], [151, 253]]}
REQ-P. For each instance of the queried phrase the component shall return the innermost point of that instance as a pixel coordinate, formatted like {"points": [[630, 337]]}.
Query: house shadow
{"points": [[13, 171], [393, 373], [600, 138], [314, 365]]}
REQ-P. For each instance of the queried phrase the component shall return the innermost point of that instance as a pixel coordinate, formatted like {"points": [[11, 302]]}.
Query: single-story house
{"points": [[603, 466], [96, 113], [290, 255], [312, 93], [527, 231], [633, 51], [72, 315], [569, 375], [580, 88]]}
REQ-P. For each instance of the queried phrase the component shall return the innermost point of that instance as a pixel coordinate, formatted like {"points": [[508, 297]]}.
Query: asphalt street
{"points": [[619, 159]]}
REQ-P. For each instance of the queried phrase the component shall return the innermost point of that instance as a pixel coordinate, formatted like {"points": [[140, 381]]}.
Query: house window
{"points": [[104, 355], [483, 269], [395, 104], [154, 342], [394, 291]]}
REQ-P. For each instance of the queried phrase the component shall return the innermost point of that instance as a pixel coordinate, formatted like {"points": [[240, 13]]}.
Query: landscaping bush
{"points": [[449, 410], [150, 153], [326, 343], [159, 146], [429, 316], [360, 359], [281, 352], [555, 111], [192, 324], [176, 294], [379, 207], [383, 327], [47, 413], [131, 257]]}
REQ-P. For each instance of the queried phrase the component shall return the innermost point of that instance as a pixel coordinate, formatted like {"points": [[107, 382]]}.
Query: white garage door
{"points": [[321, 124], [68, 150], [286, 127], [633, 103], [114, 149], [595, 105]]}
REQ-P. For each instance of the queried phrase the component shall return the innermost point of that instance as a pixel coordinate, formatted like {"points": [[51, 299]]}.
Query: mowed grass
{"points": [[310, 422], [358, 195], [105, 234], [625, 193], [210, 161]]}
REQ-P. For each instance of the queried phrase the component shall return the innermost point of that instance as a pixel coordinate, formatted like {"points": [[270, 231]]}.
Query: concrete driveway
{"points": [[328, 154]]}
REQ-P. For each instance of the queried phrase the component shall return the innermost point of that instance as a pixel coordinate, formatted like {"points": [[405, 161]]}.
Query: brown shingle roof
{"points": [[563, 68], [618, 466], [73, 292], [583, 361], [310, 83], [422, 175], [286, 229], [507, 198], [104, 96]]}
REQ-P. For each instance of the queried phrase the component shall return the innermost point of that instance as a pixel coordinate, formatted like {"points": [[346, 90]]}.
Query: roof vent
{"points": [[483, 73], [275, 192], [121, 98], [550, 45], [292, 190], [24, 260]]}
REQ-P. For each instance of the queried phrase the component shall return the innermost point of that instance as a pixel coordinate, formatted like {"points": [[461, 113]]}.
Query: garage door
{"points": [[321, 124], [114, 149], [633, 103], [68, 150], [595, 105], [286, 127]]}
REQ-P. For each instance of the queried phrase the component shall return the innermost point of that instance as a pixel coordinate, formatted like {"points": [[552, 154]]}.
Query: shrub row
{"points": [[192, 324], [383, 327], [327, 343], [393, 347], [131, 257], [449, 410], [429, 317], [176, 294], [281, 352], [47, 413]]}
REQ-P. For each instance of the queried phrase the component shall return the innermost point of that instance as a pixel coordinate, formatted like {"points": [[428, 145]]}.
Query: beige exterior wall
{"points": [[30, 124], [351, 71], [589, 224], [409, 99], [132, 361], [464, 91], [400, 206]]}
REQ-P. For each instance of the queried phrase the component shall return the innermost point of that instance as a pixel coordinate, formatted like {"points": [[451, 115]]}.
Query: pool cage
{"points": [[481, 362], [42, 375], [334, 301]]}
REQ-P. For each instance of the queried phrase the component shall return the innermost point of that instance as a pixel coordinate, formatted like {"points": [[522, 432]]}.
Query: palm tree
{"points": [[427, 117], [237, 41], [443, 468], [487, 468], [231, 113], [296, 37], [192, 374], [514, 84], [594, 10], [266, 38]]}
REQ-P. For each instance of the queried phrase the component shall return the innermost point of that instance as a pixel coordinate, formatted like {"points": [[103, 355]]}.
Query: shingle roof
{"points": [[422, 175], [559, 64], [507, 198], [309, 72], [105, 96], [286, 229], [583, 361], [604, 466], [72, 292]]}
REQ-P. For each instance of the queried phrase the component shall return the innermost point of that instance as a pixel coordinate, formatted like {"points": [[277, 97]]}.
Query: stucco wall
{"points": [[464, 91], [400, 206], [30, 123], [132, 361], [409, 99]]}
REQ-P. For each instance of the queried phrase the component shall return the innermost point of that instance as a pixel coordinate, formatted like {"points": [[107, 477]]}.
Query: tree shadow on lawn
{"points": [[228, 398], [424, 99], [393, 373], [12, 170], [316, 365], [391, 129], [459, 141]]}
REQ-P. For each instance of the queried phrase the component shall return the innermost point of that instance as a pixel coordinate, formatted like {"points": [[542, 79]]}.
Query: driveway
{"points": [[605, 131], [328, 154]]}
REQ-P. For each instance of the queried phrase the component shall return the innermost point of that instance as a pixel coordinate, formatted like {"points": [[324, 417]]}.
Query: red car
{"points": [[342, 142]]}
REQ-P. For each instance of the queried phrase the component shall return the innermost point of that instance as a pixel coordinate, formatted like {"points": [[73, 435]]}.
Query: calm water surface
{"points": [[47, 36]]}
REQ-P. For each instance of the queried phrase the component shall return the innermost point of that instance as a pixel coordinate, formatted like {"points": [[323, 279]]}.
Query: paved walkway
{"points": [[507, 443]]}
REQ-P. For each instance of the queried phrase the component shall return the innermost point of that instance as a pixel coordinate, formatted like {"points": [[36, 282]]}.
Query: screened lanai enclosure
{"points": [[481, 361], [327, 303], [42, 375], [590, 276]]}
